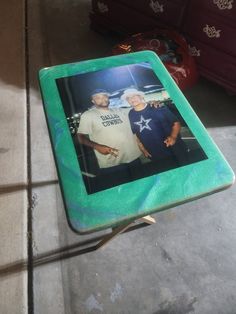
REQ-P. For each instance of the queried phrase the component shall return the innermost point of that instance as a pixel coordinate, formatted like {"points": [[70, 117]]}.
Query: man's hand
{"points": [[170, 141], [106, 150], [146, 153], [154, 103], [142, 148], [103, 149]]}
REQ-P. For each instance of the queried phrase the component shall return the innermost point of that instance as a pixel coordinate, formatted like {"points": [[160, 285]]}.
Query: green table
{"points": [[64, 89]]}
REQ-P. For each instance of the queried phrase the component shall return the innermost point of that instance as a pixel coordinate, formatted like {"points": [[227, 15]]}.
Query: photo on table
{"points": [[125, 126]]}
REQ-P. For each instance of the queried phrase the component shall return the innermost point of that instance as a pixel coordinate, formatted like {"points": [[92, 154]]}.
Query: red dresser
{"points": [[208, 25], [212, 39]]}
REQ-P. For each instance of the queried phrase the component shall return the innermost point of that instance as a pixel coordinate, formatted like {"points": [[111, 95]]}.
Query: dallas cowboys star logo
{"points": [[143, 124]]}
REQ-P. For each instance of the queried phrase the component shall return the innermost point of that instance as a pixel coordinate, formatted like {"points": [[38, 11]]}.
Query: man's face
{"points": [[100, 100], [135, 100]]}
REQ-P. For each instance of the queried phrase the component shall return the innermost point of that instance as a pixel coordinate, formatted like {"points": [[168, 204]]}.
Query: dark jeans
{"points": [[128, 167], [113, 176]]}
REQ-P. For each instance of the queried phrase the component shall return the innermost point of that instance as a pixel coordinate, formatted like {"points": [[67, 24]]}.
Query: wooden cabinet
{"points": [[208, 25], [131, 16], [162, 11], [212, 40]]}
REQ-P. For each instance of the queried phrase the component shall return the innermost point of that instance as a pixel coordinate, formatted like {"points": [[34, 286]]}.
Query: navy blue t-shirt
{"points": [[152, 126]]}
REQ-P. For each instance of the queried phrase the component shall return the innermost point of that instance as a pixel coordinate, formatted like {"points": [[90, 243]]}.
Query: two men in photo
{"points": [[120, 135]]}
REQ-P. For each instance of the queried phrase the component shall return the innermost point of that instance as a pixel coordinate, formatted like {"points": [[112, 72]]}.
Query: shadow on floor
{"points": [[60, 253]]}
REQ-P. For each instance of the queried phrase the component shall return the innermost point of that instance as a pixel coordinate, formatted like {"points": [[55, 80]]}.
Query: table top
{"points": [[103, 192]]}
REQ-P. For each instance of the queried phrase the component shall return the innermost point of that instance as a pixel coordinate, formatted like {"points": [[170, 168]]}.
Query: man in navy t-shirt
{"points": [[157, 129]]}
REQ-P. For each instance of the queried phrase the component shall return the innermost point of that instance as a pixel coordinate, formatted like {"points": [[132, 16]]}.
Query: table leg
{"points": [[147, 219]]}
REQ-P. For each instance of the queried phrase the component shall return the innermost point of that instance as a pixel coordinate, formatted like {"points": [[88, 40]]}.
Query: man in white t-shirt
{"points": [[108, 132]]}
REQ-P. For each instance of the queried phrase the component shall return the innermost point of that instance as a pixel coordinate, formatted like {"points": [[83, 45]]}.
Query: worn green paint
{"points": [[87, 213]]}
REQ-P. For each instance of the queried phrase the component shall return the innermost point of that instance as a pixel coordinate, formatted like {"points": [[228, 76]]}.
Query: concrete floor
{"points": [[183, 264]]}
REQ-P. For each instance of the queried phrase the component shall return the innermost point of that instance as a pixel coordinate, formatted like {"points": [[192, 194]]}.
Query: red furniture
{"points": [[208, 25], [212, 39]]}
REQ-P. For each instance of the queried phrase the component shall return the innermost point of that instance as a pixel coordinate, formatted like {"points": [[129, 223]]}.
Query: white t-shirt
{"points": [[110, 127]]}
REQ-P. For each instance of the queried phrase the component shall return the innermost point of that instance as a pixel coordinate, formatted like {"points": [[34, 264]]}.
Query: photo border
{"points": [[93, 212]]}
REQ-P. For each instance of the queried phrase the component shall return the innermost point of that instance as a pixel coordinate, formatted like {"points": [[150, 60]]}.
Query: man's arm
{"points": [[102, 149], [170, 140], [142, 148]]}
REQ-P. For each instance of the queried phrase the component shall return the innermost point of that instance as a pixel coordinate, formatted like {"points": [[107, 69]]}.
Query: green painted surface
{"points": [[87, 213]]}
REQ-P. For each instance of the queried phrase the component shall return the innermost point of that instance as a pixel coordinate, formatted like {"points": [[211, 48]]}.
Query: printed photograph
{"points": [[125, 126]]}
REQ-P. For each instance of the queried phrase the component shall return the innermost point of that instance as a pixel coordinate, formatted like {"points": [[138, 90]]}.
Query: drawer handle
{"points": [[102, 7], [211, 31], [193, 51], [224, 4], [156, 6]]}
